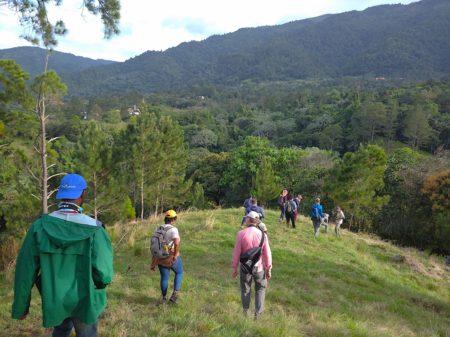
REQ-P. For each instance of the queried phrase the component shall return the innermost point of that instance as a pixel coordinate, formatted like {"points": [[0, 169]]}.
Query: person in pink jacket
{"points": [[246, 239]]}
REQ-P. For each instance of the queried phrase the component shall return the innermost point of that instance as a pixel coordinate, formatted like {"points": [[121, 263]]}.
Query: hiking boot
{"points": [[174, 298], [162, 300]]}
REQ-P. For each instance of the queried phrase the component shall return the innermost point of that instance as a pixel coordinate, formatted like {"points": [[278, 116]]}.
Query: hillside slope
{"points": [[352, 286], [32, 60], [394, 41]]}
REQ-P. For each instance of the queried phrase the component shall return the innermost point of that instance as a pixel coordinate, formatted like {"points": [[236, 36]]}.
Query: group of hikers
{"points": [[290, 207], [69, 257], [253, 237]]}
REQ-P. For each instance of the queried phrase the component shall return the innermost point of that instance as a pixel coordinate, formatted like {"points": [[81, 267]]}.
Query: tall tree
{"points": [[154, 151], [417, 129], [368, 121], [244, 164], [355, 184], [95, 161], [265, 183], [41, 31], [45, 86]]}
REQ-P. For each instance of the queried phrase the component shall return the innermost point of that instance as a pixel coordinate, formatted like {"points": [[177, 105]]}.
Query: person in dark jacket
{"points": [[282, 198], [290, 208], [298, 201], [68, 255], [255, 208]]}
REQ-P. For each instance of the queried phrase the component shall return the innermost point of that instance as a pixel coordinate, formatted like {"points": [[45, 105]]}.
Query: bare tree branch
{"points": [[51, 193], [32, 174], [35, 196], [52, 139], [55, 175]]}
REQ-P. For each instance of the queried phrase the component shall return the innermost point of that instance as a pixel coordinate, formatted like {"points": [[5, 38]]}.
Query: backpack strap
{"points": [[262, 237]]}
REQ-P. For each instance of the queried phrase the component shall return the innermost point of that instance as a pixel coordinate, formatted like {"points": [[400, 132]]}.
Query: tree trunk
{"points": [[95, 196], [142, 194], [43, 143]]}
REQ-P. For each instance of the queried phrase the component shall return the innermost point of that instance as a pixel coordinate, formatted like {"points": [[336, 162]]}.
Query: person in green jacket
{"points": [[68, 256]]}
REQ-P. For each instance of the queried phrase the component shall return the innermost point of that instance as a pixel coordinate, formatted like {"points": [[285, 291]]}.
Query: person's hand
{"points": [[152, 268], [234, 274], [269, 274]]}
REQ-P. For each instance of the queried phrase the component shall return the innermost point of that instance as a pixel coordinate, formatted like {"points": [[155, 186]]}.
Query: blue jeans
{"points": [[82, 329], [177, 268], [316, 225]]}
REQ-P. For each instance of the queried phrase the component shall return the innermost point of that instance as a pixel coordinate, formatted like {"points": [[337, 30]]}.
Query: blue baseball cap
{"points": [[71, 187]]}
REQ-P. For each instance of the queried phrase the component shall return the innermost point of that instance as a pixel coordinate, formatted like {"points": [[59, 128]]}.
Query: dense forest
{"points": [[380, 152]]}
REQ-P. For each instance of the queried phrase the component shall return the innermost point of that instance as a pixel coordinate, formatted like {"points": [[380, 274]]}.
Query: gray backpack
{"points": [[159, 248]]}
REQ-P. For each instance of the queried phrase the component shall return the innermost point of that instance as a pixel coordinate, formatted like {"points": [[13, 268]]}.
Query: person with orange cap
{"points": [[173, 261]]}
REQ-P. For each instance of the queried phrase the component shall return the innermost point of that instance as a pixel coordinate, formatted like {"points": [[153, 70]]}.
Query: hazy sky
{"points": [[158, 25]]}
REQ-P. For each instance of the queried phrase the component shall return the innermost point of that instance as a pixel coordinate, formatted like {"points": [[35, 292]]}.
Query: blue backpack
{"points": [[315, 215]]}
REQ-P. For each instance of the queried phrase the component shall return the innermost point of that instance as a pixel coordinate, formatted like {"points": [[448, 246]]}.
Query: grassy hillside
{"points": [[355, 285]]}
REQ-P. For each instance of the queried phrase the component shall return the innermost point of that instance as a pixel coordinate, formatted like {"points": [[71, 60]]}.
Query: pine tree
{"points": [[265, 186], [96, 164]]}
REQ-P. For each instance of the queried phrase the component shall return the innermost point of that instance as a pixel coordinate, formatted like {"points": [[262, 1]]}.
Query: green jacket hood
{"points": [[64, 233]]}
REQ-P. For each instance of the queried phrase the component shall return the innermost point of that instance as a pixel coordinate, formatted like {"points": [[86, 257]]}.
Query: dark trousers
{"points": [[290, 217], [82, 329]]}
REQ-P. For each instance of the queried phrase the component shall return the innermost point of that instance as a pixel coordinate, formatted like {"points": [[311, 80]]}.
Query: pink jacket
{"points": [[248, 238]]}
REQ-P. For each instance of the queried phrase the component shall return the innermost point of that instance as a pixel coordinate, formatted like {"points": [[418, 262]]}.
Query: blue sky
{"points": [[159, 25]]}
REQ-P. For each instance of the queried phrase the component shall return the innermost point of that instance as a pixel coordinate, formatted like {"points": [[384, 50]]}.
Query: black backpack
{"points": [[290, 206], [158, 246], [249, 258]]}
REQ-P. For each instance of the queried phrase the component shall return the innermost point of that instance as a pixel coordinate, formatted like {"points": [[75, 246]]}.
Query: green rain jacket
{"points": [[70, 263]]}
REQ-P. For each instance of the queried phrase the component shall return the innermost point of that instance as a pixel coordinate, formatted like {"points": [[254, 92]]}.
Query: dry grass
{"points": [[9, 248]]}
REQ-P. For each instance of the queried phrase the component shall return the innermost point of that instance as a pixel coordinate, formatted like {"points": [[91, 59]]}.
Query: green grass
{"points": [[355, 285]]}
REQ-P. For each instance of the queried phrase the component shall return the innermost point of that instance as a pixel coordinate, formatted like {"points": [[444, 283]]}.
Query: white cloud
{"points": [[158, 25]]}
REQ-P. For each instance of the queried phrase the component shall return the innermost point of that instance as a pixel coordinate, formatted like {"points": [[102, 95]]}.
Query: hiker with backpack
{"points": [[339, 220], [298, 202], [290, 208], [316, 216], [282, 198], [253, 206], [253, 256], [165, 249], [246, 205]]}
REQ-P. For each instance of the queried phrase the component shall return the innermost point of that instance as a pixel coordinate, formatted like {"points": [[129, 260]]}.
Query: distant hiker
{"points": [[172, 261], [316, 216], [248, 238], [282, 198], [290, 208], [247, 204], [68, 255], [253, 206], [298, 201], [324, 221], [339, 220]]}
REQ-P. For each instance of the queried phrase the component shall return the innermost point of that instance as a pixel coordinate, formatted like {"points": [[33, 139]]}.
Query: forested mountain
{"points": [[32, 60], [402, 41], [391, 41]]}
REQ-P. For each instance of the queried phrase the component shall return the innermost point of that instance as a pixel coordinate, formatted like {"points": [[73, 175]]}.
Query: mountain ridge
{"points": [[32, 60], [396, 41]]}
